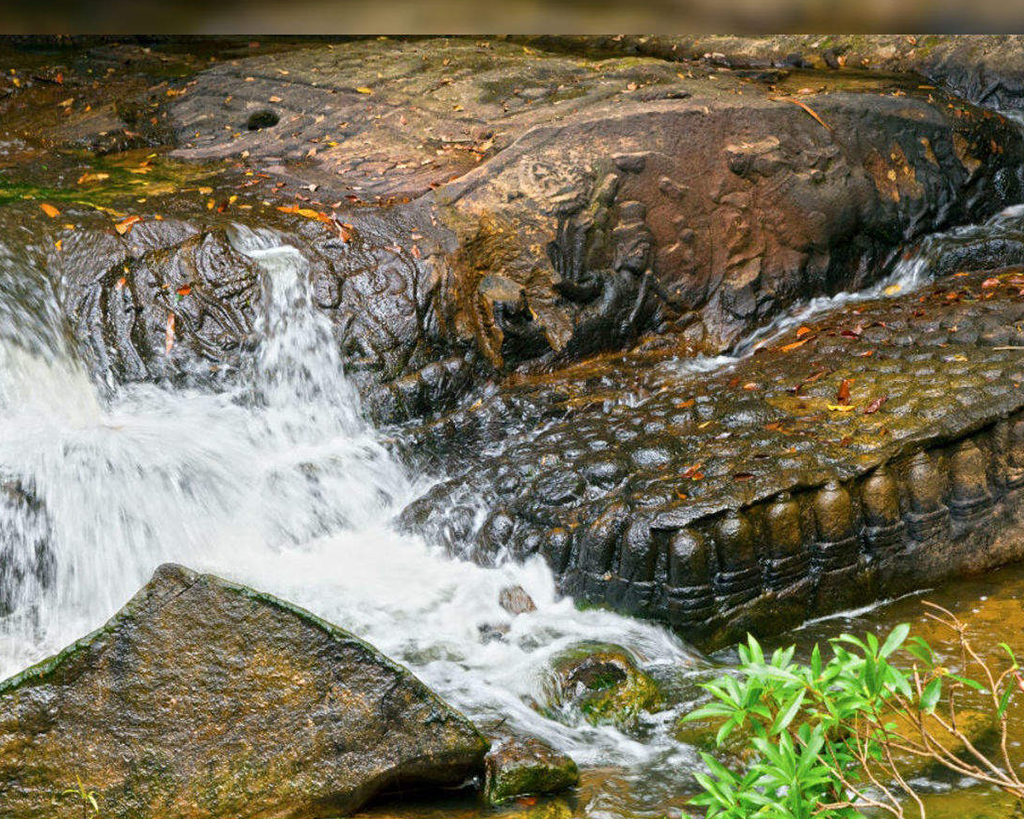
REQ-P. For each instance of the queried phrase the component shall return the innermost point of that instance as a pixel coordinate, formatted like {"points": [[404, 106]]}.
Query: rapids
{"points": [[275, 480]]}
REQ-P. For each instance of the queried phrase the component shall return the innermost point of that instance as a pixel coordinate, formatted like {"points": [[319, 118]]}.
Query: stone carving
{"points": [[838, 544], [884, 529], [928, 517], [789, 561]]}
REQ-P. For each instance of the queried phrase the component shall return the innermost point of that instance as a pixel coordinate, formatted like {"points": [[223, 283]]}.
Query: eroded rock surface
{"points": [[588, 202], [206, 699]]}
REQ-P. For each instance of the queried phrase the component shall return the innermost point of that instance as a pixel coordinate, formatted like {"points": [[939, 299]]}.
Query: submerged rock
{"points": [[206, 699], [604, 684], [526, 767]]}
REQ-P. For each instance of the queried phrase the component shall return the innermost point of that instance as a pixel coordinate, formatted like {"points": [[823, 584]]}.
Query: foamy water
{"points": [[277, 483]]}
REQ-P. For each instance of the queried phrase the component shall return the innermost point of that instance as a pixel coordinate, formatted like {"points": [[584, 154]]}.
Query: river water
{"points": [[278, 482]]}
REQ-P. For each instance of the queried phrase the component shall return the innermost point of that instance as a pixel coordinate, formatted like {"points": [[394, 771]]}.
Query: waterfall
{"points": [[274, 481]]}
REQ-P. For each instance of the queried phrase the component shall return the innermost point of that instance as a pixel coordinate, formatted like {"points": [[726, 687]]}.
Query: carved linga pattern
{"points": [[710, 571]]}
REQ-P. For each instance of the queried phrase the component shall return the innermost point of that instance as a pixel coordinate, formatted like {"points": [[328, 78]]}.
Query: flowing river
{"points": [[278, 482]]}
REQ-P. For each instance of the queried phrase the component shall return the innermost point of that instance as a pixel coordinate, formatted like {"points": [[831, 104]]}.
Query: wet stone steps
{"points": [[876, 449]]}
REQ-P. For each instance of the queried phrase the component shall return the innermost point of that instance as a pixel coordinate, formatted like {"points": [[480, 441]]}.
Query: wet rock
{"points": [[524, 767], [206, 699], [516, 600], [764, 507], [604, 684], [604, 225]]}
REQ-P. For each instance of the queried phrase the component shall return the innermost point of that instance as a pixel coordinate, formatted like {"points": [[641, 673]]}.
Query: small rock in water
{"points": [[515, 600], [526, 767]]}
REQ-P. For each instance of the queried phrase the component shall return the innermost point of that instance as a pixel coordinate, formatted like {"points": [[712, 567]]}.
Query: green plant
{"points": [[87, 798], [828, 739]]}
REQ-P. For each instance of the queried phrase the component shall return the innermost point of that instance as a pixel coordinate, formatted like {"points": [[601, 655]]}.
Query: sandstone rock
{"points": [[524, 767], [684, 497], [579, 204], [206, 699]]}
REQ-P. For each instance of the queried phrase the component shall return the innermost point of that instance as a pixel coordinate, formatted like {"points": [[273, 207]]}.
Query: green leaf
{"points": [[895, 639], [786, 717], [1004, 702], [930, 695]]}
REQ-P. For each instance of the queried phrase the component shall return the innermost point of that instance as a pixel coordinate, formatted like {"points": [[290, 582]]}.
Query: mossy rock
{"points": [[526, 767], [202, 699], [605, 684]]}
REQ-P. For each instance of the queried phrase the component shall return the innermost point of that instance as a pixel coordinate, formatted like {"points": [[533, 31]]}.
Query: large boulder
{"points": [[202, 698], [568, 205]]}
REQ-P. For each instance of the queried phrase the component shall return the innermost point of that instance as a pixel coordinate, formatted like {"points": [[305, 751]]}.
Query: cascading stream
{"points": [[278, 483]]}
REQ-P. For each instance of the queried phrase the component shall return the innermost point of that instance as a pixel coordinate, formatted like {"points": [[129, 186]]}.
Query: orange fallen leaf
{"points": [[92, 177], [990, 283], [792, 346], [693, 473], [803, 330], [59, 244], [750, 386], [184, 290], [50, 210], [843, 393], [125, 224], [120, 283]]}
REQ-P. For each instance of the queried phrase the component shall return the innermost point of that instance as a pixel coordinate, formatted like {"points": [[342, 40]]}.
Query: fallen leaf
{"points": [[92, 177], [50, 210], [841, 407], [364, 90], [743, 476], [274, 99], [804, 330], [125, 225], [990, 283], [121, 283], [59, 244], [874, 406], [169, 333], [893, 289], [184, 290], [750, 386], [794, 345], [843, 393], [692, 472], [205, 191], [808, 109]]}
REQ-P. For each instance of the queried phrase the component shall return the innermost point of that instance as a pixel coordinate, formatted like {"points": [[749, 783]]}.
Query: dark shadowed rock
{"points": [[206, 699]]}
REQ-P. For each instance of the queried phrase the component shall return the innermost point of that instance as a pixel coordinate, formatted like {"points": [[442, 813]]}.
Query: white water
{"points": [[278, 484]]}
